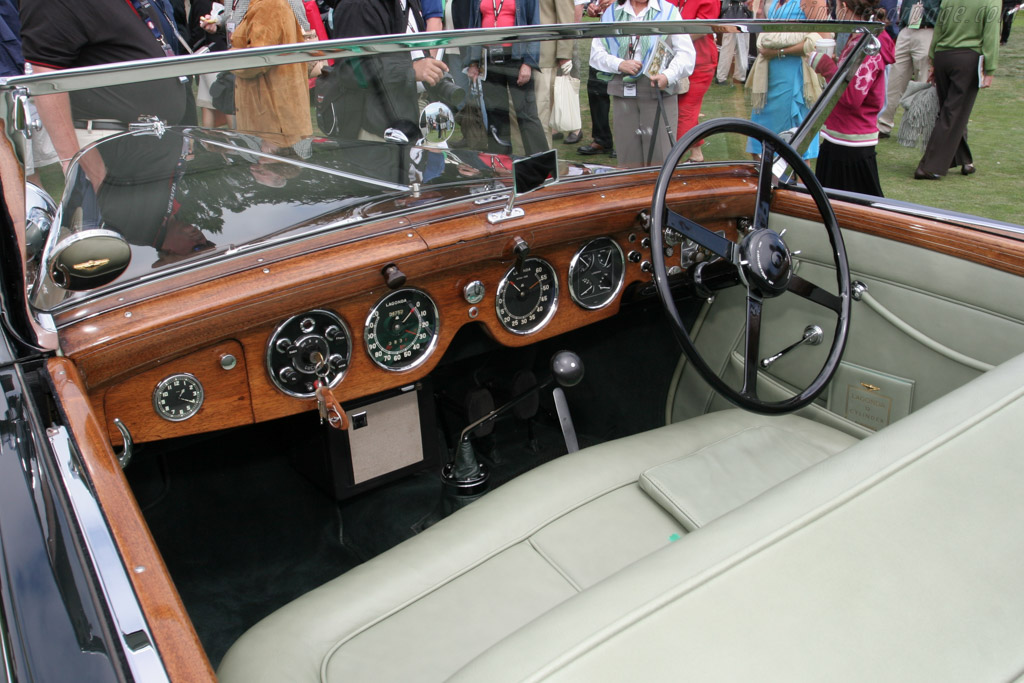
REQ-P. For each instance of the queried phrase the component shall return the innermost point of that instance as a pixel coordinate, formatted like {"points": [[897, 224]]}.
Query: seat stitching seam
{"points": [[675, 501], [564, 573]]}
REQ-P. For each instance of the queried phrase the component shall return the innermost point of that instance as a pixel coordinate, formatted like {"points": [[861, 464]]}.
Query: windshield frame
{"points": [[17, 90]]}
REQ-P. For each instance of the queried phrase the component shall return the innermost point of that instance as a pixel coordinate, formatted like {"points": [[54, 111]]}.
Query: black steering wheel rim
{"points": [[766, 277]]}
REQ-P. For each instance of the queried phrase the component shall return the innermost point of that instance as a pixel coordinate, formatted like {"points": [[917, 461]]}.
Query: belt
{"points": [[499, 55], [99, 124]]}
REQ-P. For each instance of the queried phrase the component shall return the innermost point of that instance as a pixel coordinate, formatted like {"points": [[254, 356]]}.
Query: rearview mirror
{"points": [[88, 259]]}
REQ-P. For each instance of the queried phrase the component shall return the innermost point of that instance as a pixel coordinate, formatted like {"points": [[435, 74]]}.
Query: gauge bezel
{"points": [[272, 340], [431, 345], [187, 376], [548, 315], [618, 287]]}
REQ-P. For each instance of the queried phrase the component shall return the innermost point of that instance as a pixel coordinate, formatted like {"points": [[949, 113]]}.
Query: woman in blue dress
{"points": [[785, 105]]}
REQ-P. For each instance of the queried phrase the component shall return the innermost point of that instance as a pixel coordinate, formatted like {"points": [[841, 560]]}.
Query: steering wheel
{"points": [[761, 261]]}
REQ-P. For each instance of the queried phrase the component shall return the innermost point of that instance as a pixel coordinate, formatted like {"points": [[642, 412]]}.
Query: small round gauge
{"points": [[178, 397], [596, 273], [527, 297], [401, 330]]}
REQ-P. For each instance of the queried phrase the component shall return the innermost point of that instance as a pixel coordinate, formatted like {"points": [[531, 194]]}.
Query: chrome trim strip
{"points": [[144, 662], [833, 89], [173, 67]]}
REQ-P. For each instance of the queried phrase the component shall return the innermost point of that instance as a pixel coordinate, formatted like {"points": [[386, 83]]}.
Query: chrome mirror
{"points": [[89, 259], [437, 123]]}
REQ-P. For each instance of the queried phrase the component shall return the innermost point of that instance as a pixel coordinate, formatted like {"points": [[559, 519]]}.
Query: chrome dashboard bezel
{"points": [[431, 345], [618, 287], [277, 331], [188, 376], [542, 323]]}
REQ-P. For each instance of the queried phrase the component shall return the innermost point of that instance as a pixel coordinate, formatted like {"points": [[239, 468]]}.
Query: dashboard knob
{"points": [[393, 277], [288, 374]]}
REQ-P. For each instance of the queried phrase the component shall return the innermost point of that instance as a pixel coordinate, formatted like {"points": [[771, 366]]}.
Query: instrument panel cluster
{"points": [[401, 328]]}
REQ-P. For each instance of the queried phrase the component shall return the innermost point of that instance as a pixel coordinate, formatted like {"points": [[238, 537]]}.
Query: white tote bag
{"points": [[565, 110]]}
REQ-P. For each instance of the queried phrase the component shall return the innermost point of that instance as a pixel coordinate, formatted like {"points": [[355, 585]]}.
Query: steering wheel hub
{"points": [[766, 262]]}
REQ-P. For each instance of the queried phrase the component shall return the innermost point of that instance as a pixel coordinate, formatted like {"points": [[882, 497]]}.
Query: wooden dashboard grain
{"points": [[175, 638], [226, 401], [997, 249], [126, 349]]}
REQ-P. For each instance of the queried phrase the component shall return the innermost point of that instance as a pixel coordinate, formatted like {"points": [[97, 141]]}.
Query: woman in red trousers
{"points": [[707, 60]]}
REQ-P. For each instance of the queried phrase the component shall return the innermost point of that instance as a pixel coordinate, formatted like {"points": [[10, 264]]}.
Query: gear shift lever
{"points": [[465, 475]]}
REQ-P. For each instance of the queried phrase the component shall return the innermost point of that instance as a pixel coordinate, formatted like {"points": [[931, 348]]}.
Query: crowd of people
{"points": [[644, 92]]}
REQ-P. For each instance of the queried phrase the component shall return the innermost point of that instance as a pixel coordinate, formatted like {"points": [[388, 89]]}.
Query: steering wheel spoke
{"points": [[752, 346], [765, 185], [813, 292], [715, 243]]}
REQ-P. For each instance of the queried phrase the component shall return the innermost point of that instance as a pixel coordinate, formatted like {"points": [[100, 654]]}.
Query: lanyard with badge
{"points": [[916, 15], [151, 16], [629, 88]]}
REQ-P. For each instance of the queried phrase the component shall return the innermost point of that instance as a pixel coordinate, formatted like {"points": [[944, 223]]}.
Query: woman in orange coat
{"points": [[272, 102]]}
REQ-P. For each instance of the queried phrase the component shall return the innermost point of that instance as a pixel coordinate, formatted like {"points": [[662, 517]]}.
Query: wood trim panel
{"points": [[114, 345], [226, 397], [172, 631], [996, 249], [124, 352]]}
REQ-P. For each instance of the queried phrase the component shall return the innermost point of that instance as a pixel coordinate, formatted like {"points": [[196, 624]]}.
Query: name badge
{"points": [[230, 27], [916, 15], [629, 89]]}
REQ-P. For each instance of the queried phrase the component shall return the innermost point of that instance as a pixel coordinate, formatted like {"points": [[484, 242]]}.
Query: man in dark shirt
{"points": [[61, 34], [917, 23], [380, 92]]}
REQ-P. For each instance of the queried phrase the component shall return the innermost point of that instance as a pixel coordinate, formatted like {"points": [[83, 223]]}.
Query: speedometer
{"points": [[527, 297], [401, 330]]}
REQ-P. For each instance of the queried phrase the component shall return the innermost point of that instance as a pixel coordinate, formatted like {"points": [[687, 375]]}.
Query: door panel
{"points": [[970, 308]]}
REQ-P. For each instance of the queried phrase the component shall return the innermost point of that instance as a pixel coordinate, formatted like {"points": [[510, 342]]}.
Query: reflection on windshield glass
{"points": [[288, 148]]}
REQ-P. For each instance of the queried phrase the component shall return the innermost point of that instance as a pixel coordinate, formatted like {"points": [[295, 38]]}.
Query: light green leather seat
{"points": [[427, 607], [896, 559]]}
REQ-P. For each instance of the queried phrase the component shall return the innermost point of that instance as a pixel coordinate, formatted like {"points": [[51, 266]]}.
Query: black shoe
{"points": [[557, 136], [573, 138], [922, 175], [592, 148], [883, 135], [967, 169]]}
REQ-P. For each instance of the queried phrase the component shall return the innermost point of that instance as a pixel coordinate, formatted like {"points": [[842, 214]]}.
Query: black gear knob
{"points": [[567, 368]]}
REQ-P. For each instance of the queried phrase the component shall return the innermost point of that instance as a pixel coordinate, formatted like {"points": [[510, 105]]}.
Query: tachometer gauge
{"points": [[596, 273], [401, 330], [527, 297], [178, 397]]}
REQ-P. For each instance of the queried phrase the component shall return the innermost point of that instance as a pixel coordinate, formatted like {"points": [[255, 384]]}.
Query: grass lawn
{"points": [[996, 138]]}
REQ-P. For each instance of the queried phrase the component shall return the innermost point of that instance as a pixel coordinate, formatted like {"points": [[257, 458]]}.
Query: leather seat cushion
{"points": [[424, 609]]}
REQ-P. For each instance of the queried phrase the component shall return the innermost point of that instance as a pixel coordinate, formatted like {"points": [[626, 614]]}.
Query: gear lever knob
{"points": [[567, 368]]}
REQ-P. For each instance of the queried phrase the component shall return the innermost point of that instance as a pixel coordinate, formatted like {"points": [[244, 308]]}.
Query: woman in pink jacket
{"points": [[846, 159]]}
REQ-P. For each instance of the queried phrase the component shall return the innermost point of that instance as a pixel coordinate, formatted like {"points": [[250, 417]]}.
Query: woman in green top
{"points": [[965, 53]]}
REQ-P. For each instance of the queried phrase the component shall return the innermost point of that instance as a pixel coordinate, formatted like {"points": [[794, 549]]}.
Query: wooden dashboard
{"points": [[222, 316]]}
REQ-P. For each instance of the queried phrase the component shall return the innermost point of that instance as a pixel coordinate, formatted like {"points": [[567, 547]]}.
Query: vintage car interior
{"points": [[413, 412]]}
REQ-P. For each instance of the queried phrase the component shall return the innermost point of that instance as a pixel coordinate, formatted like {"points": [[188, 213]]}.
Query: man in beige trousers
{"points": [[555, 58]]}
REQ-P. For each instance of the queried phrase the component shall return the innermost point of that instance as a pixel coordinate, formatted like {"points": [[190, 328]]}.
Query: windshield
{"points": [[198, 159]]}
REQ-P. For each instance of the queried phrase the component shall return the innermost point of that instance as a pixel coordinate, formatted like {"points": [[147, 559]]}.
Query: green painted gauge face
{"points": [[527, 297], [401, 330], [178, 397]]}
